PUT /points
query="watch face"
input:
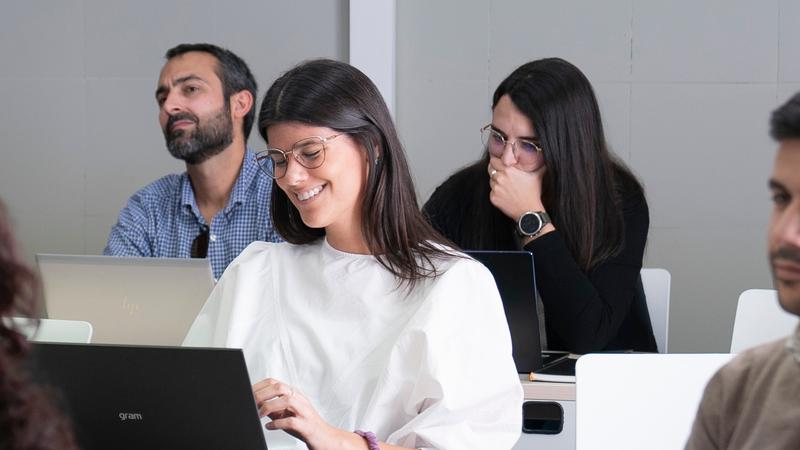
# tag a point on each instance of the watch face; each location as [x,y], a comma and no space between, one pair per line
[530,223]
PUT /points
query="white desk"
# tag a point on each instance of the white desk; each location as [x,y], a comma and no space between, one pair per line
[546,393]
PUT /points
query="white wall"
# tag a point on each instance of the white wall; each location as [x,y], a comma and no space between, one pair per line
[685,87]
[78,119]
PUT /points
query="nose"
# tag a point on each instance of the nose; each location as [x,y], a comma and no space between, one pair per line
[786,226]
[295,174]
[508,158]
[172,103]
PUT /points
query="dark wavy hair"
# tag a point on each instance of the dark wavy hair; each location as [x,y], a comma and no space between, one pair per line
[338,96]
[232,72]
[28,420]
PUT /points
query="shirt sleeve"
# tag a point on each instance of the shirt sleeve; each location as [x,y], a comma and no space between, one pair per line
[466,391]
[587,310]
[129,235]
[706,427]
[234,301]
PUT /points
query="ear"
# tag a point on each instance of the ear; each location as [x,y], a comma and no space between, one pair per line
[378,153]
[241,104]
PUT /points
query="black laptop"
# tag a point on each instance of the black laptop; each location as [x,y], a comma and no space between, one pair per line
[128,397]
[515,277]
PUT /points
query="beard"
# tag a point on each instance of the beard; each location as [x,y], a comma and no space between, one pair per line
[206,140]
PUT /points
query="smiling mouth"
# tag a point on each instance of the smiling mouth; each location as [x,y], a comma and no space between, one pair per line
[309,194]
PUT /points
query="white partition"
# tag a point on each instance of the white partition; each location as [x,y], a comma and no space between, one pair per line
[640,401]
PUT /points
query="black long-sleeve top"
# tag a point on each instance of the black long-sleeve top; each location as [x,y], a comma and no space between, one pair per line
[603,309]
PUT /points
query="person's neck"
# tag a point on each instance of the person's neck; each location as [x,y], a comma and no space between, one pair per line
[348,239]
[213,179]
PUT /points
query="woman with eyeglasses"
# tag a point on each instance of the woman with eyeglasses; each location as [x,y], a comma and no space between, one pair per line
[364,330]
[28,418]
[548,184]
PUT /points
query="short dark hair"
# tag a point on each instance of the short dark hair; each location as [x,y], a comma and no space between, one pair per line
[338,96]
[785,122]
[232,72]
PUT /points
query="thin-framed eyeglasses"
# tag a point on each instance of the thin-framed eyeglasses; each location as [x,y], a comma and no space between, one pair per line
[496,143]
[309,152]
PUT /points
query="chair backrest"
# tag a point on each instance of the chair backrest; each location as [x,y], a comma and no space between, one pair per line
[760,319]
[640,401]
[55,330]
[656,284]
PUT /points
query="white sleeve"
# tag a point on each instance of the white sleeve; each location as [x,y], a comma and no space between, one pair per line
[466,390]
[237,292]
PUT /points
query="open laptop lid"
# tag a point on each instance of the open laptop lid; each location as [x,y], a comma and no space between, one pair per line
[126,397]
[513,272]
[127,300]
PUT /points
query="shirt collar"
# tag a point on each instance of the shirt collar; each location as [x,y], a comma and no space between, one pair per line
[240,188]
[246,177]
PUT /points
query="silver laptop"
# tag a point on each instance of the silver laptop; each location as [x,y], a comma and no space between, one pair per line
[140,301]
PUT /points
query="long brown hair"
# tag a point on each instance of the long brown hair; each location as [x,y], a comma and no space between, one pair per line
[581,188]
[336,95]
[27,418]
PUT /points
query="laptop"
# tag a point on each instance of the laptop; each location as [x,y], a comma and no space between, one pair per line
[140,301]
[514,274]
[128,397]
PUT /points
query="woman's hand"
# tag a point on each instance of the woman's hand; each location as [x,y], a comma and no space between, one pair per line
[291,412]
[515,191]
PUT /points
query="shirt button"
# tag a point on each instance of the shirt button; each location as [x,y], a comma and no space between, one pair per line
[213,238]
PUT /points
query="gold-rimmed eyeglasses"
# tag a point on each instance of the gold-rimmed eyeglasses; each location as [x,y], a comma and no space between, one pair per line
[496,143]
[309,152]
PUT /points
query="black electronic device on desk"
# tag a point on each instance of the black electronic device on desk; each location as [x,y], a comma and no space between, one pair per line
[129,397]
[515,277]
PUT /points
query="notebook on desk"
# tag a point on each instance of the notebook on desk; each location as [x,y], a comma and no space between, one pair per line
[126,397]
[515,277]
[147,301]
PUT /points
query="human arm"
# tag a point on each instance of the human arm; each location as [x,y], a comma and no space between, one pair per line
[586,310]
[706,427]
[291,411]
[129,236]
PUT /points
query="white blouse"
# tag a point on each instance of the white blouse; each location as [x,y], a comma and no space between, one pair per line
[430,368]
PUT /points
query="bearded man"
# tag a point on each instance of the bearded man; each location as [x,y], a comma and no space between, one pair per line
[220,204]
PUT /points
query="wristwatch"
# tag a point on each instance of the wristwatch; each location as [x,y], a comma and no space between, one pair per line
[531,223]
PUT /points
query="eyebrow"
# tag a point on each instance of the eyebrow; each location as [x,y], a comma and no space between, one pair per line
[527,138]
[776,185]
[163,88]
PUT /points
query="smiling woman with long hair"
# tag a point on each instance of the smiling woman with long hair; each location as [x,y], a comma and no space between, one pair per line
[28,420]
[365,329]
[548,183]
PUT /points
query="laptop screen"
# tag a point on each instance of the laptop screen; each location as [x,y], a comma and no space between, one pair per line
[513,272]
[126,397]
[140,301]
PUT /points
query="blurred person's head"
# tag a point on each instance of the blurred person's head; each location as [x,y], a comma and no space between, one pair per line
[784,225]
[28,419]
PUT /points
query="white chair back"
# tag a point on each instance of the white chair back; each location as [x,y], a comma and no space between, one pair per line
[760,319]
[55,330]
[656,284]
[640,401]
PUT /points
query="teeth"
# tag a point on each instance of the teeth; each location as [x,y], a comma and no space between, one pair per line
[308,194]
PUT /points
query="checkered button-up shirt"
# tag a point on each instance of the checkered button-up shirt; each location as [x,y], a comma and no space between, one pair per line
[163,219]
